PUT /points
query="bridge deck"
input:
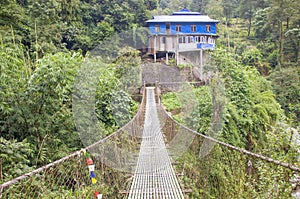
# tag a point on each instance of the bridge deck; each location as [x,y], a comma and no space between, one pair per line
[154,175]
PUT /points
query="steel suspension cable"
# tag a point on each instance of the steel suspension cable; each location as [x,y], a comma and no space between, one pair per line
[240,150]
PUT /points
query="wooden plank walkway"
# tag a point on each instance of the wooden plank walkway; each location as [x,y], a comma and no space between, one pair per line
[154,175]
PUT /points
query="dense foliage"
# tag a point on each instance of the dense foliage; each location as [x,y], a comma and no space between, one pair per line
[39,67]
[43,44]
[56,25]
[36,107]
[258,62]
[262,34]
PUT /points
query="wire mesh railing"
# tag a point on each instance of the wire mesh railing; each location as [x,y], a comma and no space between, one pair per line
[114,158]
[225,171]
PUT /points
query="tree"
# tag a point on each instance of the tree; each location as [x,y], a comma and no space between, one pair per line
[279,16]
[286,86]
[253,57]
[14,74]
[214,9]
[229,9]
[251,105]
[13,22]
[293,39]
[14,158]
[151,4]
[35,105]
[261,26]
[247,10]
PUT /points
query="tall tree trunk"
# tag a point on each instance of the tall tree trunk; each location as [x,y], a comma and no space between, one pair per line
[249,26]
[280,46]
[1,176]
[298,53]
[228,38]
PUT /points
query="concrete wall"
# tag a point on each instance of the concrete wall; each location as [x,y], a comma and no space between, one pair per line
[172,43]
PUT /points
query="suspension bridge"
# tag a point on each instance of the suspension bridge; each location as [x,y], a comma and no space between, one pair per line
[141,160]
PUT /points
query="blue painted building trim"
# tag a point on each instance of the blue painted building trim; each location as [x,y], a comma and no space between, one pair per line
[206,46]
[185,28]
[183,31]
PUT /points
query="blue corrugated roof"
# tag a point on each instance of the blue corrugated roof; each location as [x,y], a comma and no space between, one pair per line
[185,11]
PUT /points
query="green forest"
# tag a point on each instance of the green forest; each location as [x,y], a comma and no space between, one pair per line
[44,43]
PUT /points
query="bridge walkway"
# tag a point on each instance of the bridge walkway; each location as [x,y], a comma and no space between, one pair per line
[154,175]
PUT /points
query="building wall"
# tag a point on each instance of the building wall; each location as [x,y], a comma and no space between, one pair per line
[162,28]
[185,28]
[180,43]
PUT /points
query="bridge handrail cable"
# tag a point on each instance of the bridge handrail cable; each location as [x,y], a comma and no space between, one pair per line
[240,150]
[76,153]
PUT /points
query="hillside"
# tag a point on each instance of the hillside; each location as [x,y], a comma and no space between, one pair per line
[255,86]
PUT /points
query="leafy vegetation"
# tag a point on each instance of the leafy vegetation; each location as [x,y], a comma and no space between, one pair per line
[56,25]
[258,61]
[286,86]
[36,107]
[253,120]
[171,101]
[259,35]
[43,45]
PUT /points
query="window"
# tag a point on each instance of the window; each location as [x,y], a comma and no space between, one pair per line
[202,39]
[211,40]
[163,40]
[190,39]
[207,28]
[157,28]
[168,25]
[193,28]
[178,28]
[181,40]
[194,40]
